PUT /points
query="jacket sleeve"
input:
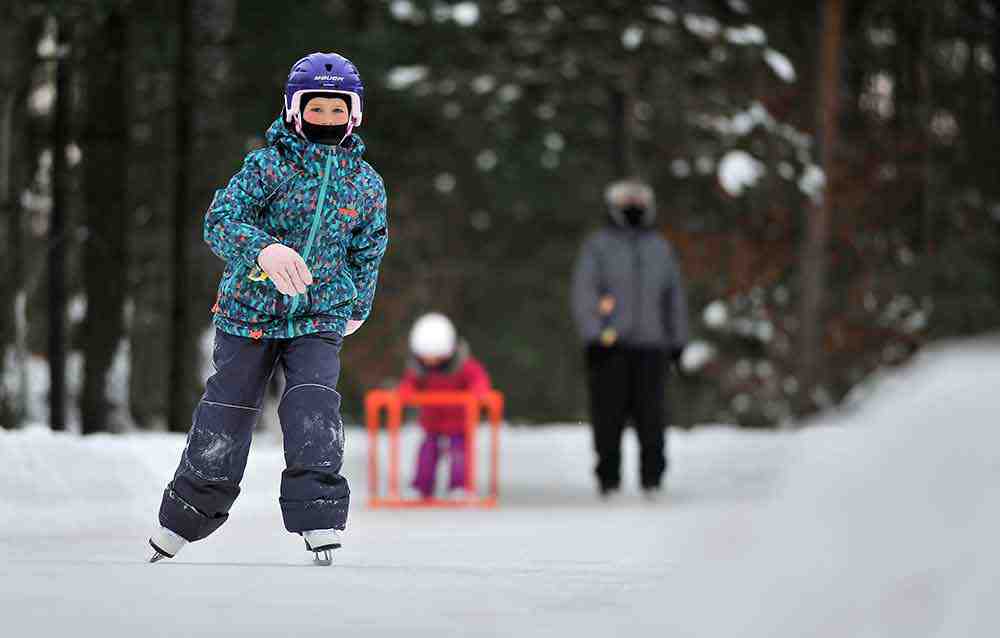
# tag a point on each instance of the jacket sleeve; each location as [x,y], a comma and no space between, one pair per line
[476,378]
[232,224]
[675,312]
[366,249]
[585,293]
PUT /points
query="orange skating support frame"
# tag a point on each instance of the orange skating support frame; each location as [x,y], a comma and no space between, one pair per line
[392,403]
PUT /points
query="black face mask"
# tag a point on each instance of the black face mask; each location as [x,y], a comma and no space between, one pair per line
[439,367]
[634,216]
[318,134]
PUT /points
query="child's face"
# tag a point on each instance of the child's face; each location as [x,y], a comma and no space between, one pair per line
[326,111]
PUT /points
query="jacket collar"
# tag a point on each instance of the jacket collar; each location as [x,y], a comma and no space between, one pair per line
[312,157]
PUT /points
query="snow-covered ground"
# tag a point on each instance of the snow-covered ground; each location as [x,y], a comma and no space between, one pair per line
[878,522]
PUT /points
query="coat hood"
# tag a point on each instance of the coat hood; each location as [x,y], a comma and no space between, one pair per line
[621,194]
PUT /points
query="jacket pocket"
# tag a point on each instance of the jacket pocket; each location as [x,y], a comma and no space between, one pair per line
[249,300]
[334,298]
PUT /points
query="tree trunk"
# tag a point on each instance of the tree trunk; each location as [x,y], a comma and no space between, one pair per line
[151,242]
[202,132]
[925,110]
[996,96]
[995,42]
[182,346]
[213,142]
[58,231]
[105,262]
[814,258]
[18,34]
[618,132]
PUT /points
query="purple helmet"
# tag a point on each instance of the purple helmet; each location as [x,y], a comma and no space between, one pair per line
[323,73]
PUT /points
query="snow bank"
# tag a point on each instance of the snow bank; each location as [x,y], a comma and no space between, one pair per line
[888,521]
[65,482]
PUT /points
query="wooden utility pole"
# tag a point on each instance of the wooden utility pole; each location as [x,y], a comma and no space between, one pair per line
[814,261]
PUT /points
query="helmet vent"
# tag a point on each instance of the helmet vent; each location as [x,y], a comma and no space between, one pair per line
[329,67]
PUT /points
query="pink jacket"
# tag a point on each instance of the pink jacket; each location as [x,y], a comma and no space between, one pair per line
[463,373]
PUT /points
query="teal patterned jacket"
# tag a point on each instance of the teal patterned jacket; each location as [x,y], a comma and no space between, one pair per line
[323,201]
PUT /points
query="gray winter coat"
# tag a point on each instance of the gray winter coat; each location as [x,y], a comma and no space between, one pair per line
[638,268]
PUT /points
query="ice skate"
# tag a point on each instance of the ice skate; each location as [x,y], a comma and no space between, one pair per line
[165,544]
[652,494]
[322,542]
[609,494]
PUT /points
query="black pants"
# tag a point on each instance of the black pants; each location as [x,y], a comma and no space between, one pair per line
[628,383]
[314,495]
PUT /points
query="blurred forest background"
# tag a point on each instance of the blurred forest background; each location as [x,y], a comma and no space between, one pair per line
[826,169]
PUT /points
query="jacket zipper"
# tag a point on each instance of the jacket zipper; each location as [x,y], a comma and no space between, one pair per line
[317,218]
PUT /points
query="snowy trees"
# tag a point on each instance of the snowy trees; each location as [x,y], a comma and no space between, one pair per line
[496,126]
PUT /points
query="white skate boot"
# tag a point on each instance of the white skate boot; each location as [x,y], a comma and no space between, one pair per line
[322,542]
[165,544]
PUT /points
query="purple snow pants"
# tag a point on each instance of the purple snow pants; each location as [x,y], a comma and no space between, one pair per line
[314,495]
[427,460]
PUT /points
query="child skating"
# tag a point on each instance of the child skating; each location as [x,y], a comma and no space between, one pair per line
[441,362]
[302,229]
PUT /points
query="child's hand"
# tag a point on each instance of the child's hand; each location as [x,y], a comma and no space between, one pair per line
[352,326]
[286,268]
[606,305]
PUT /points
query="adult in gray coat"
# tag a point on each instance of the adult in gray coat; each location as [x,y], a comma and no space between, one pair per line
[630,310]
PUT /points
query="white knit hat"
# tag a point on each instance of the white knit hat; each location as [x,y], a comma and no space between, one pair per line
[433,335]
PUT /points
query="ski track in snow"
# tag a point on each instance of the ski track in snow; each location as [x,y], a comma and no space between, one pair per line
[881,521]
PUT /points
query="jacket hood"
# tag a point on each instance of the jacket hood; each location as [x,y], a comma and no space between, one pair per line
[621,194]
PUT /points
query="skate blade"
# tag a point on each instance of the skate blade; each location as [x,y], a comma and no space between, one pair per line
[156,557]
[323,558]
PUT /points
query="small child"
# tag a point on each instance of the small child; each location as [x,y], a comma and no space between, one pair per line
[302,229]
[441,362]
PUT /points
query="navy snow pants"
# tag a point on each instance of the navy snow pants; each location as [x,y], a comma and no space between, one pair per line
[313,493]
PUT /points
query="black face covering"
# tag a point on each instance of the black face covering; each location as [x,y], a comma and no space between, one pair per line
[319,134]
[634,215]
[442,366]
